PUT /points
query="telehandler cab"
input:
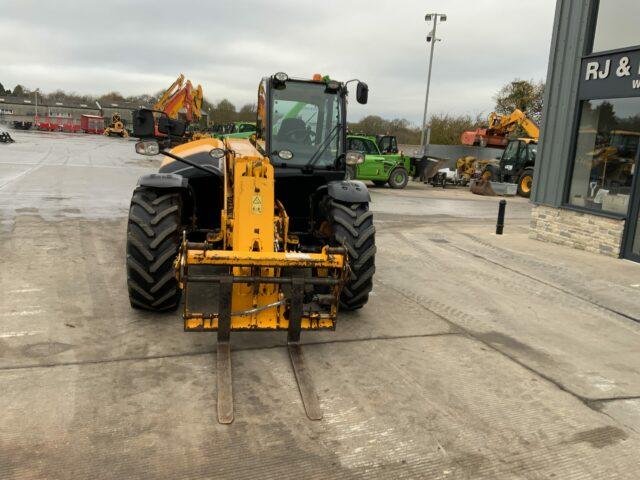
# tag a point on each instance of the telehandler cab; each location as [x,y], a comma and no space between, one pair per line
[269,222]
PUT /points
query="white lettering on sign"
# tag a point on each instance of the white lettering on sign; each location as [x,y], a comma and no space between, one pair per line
[594,72]
[623,67]
[607,66]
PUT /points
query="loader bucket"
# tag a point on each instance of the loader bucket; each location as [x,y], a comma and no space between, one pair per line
[481,186]
[492,189]
[427,167]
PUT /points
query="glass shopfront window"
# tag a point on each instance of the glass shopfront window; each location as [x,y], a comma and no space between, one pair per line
[616,25]
[606,154]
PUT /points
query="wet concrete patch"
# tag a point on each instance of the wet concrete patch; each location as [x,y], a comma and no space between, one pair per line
[46,349]
[625,410]
[54,199]
[500,341]
[600,437]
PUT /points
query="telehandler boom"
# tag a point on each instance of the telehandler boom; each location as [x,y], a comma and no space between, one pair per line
[496,134]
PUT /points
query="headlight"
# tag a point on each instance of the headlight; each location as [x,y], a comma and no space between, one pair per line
[281,77]
[217,153]
[354,158]
[147,147]
[285,154]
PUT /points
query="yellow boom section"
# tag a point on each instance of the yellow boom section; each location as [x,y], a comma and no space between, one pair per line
[261,278]
[504,124]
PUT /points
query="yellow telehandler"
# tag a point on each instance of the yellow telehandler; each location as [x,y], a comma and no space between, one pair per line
[269,222]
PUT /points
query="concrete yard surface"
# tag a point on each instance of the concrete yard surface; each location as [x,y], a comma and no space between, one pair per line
[478,356]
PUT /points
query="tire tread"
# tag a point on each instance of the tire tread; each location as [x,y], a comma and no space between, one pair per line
[153,233]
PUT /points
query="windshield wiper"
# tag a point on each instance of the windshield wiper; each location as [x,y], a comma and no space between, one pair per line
[321,148]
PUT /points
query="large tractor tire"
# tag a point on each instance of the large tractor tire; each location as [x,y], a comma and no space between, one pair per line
[398,178]
[352,225]
[153,239]
[524,183]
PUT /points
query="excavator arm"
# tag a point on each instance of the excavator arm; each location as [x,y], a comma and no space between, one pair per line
[500,126]
[504,124]
[181,99]
[169,92]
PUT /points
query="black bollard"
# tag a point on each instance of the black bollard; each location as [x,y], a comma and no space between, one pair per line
[500,224]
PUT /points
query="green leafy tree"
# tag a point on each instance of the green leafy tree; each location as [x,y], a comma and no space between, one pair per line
[111,97]
[224,112]
[526,95]
[19,91]
[248,112]
[446,129]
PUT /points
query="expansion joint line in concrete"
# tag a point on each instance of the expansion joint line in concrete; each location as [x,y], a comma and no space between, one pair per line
[211,352]
[530,277]
[549,284]
[589,402]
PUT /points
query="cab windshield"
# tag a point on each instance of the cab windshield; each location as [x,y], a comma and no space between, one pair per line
[306,122]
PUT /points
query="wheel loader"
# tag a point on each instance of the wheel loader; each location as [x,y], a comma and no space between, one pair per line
[268,225]
[116,127]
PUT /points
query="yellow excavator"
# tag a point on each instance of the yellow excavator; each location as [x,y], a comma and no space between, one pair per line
[116,127]
[181,100]
[514,169]
[267,226]
[499,129]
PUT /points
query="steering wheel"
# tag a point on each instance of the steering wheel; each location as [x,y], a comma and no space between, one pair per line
[298,135]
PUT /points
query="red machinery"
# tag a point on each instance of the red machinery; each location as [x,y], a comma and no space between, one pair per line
[58,124]
[500,126]
[92,124]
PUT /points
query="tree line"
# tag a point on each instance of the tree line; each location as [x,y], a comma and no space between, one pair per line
[221,112]
[526,95]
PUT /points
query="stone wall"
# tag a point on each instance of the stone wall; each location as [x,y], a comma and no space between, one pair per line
[576,229]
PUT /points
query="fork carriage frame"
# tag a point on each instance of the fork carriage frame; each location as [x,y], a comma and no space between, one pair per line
[257,269]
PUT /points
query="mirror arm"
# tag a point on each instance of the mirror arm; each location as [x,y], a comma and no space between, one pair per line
[188,162]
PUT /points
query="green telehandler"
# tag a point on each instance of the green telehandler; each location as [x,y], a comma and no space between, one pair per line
[383,162]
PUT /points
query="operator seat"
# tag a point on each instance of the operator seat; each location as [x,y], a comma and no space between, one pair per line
[290,125]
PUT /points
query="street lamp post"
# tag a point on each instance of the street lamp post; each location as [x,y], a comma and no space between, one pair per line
[431,38]
[36,95]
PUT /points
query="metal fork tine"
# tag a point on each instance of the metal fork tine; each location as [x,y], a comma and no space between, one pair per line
[225,390]
[305,383]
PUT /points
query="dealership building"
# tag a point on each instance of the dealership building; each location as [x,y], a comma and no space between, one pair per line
[586,188]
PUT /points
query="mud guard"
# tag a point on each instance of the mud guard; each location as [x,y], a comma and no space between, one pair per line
[163,180]
[349,191]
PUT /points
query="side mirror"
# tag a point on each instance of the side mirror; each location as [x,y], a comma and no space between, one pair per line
[362,93]
[173,128]
[143,123]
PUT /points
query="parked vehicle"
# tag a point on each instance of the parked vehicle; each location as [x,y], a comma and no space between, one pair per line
[386,165]
[236,130]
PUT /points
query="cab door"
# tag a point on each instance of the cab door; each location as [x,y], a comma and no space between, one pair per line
[373,166]
[388,144]
[373,161]
[510,159]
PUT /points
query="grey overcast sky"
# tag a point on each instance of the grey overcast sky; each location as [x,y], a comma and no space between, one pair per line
[134,47]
